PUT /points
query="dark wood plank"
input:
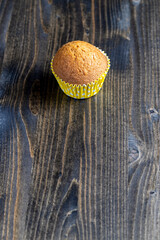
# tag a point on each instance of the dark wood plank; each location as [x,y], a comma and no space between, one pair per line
[65,172]
[144,176]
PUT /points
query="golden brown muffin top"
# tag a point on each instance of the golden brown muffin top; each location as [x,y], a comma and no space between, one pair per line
[79,62]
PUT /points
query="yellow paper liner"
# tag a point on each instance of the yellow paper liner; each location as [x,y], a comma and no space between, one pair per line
[82,91]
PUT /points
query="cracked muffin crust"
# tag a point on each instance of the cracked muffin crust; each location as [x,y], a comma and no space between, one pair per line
[79,62]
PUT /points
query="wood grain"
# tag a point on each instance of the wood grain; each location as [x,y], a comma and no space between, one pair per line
[143,192]
[79,169]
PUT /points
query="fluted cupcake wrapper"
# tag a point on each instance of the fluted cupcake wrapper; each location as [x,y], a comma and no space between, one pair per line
[85,90]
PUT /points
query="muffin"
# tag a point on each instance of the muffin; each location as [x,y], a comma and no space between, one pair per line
[80,69]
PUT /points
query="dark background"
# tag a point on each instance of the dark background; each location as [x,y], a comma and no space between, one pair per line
[79,169]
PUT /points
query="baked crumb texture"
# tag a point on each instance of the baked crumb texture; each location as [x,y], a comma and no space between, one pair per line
[79,62]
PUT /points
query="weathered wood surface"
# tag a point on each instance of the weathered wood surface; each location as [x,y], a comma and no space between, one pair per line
[88,169]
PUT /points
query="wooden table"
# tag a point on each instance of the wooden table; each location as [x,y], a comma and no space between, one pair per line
[79,169]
